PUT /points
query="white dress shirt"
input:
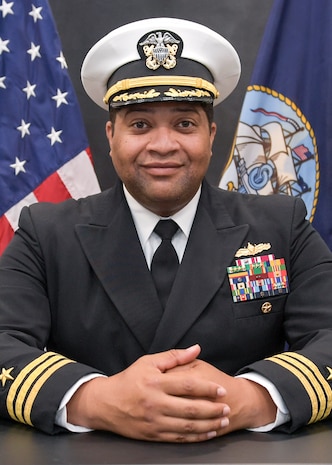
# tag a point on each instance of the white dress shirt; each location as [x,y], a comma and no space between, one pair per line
[145,222]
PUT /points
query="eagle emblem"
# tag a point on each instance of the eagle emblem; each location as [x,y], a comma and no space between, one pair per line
[160,50]
[252,249]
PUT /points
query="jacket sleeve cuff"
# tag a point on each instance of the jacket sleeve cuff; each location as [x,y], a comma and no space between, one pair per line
[282,415]
[61,415]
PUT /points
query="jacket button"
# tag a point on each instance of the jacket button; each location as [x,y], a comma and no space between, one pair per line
[266,307]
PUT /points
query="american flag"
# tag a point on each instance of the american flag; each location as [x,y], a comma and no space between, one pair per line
[44,152]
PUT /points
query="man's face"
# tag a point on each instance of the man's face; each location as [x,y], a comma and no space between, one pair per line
[161,152]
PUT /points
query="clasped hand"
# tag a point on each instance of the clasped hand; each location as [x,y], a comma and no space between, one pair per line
[170,396]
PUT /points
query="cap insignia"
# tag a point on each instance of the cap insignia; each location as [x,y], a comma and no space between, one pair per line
[160,50]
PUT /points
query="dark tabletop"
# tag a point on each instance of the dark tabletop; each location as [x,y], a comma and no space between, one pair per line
[20,445]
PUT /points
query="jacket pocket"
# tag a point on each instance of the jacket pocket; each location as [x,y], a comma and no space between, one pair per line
[259,307]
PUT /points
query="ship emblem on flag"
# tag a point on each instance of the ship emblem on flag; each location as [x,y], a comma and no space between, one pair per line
[283,141]
[275,150]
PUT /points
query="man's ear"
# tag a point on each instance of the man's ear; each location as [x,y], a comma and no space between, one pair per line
[213,132]
[109,132]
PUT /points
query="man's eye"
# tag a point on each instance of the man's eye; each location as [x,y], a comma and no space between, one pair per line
[186,124]
[140,124]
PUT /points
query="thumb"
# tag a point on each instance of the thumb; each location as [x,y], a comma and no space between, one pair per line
[171,358]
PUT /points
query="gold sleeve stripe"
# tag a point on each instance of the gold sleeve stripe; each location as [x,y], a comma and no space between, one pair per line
[326,396]
[308,374]
[19,379]
[28,383]
[38,385]
[307,386]
[23,384]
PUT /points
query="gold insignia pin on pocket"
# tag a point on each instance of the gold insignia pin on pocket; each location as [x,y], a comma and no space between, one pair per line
[252,249]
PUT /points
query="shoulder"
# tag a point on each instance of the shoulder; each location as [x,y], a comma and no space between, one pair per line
[71,211]
[54,226]
[258,205]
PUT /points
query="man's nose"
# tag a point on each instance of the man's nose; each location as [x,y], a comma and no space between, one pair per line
[163,140]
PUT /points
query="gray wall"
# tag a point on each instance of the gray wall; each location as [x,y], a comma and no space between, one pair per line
[82,22]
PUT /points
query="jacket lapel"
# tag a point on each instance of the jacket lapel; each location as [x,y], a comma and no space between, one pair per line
[111,244]
[112,247]
[213,240]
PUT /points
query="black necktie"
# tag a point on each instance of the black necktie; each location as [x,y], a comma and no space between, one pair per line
[165,261]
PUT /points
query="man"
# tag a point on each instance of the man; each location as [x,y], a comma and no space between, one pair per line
[89,336]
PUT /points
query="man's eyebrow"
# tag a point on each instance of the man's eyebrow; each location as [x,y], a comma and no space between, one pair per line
[186,109]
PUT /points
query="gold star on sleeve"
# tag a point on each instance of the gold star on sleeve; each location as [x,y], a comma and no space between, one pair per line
[329,378]
[6,376]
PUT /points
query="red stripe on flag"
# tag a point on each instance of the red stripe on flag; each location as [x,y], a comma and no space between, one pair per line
[52,190]
[88,151]
[6,233]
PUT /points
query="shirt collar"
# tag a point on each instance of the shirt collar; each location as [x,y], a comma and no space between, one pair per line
[145,220]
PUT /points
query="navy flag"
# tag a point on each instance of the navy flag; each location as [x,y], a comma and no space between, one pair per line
[44,152]
[283,143]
